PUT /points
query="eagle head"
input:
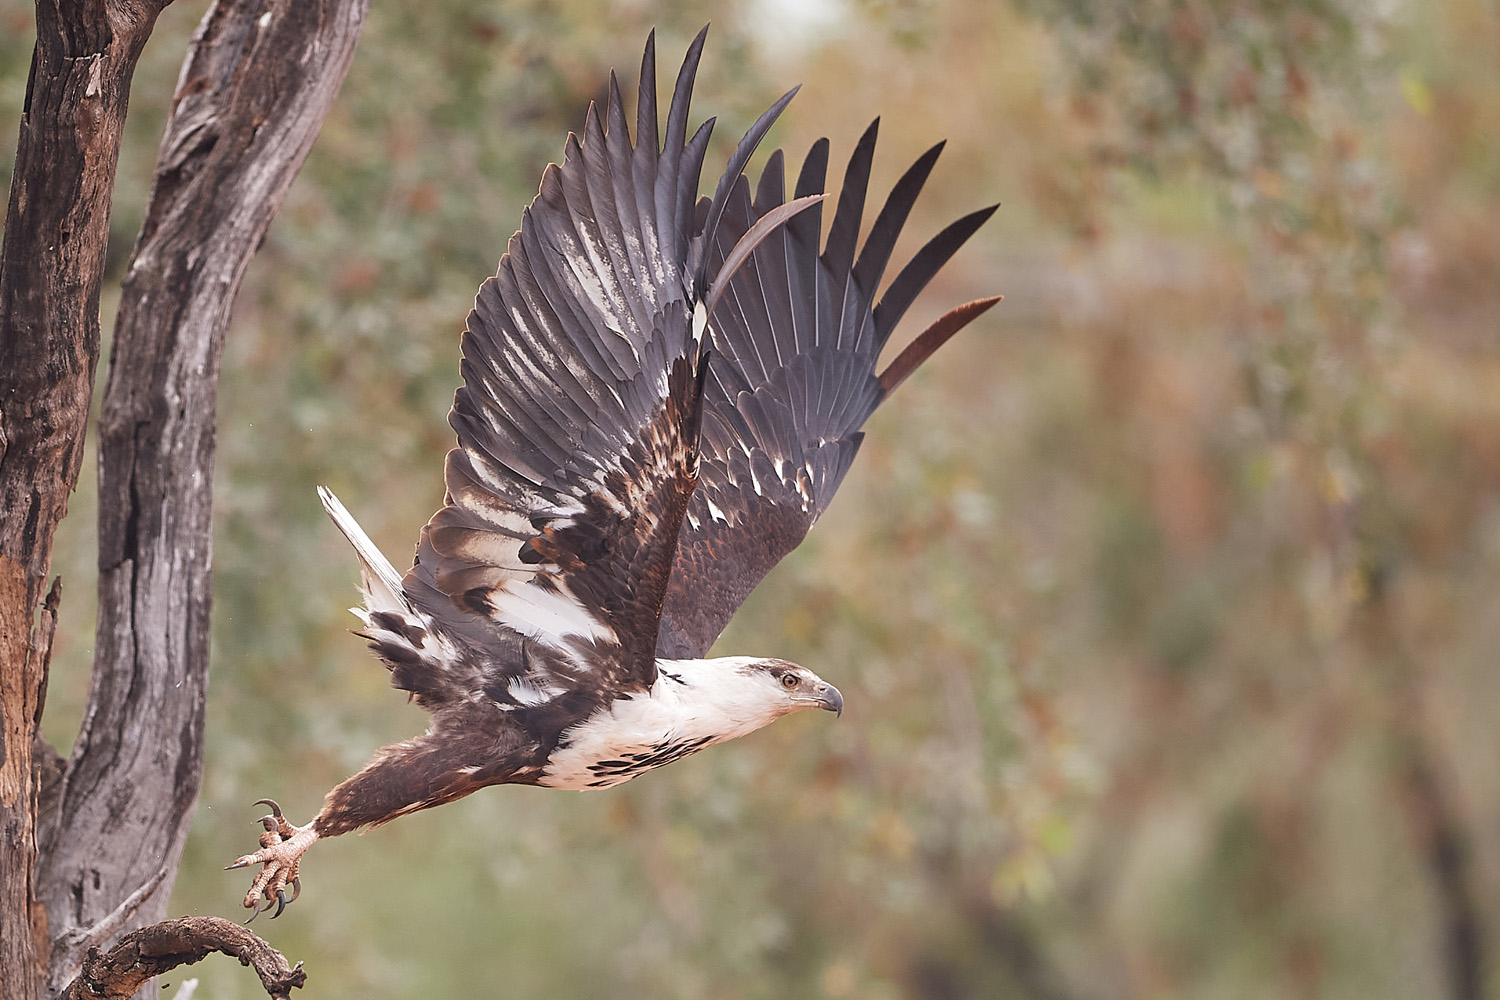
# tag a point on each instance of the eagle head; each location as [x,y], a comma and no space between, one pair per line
[795,687]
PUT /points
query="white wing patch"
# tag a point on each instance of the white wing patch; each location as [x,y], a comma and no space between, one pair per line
[700,322]
[714,511]
[545,616]
[532,690]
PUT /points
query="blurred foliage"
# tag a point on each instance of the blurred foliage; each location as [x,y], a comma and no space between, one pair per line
[1164,601]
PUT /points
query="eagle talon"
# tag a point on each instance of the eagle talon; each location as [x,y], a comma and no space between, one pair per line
[280,858]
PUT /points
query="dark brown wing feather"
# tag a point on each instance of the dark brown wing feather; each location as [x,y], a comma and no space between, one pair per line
[796,339]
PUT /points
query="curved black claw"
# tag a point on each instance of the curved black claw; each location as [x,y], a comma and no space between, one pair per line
[259,910]
[282,902]
[275,822]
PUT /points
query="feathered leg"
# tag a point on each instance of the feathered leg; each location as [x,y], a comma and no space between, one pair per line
[402,778]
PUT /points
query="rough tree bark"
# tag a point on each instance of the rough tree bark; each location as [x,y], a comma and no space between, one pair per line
[259,78]
[56,231]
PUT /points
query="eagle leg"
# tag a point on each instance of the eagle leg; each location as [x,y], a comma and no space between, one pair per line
[281,848]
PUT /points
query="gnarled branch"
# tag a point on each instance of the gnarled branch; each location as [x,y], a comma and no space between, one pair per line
[164,946]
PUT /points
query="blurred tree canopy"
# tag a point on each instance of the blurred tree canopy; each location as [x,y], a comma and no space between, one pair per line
[1165,601]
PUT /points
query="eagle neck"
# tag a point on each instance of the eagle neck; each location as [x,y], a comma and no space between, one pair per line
[692,704]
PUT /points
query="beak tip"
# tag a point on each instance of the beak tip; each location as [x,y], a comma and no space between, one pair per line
[833,701]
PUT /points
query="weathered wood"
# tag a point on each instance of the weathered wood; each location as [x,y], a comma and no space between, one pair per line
[153,950]
[259,78]
[56,231]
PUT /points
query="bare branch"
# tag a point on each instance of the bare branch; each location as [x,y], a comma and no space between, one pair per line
[164,946]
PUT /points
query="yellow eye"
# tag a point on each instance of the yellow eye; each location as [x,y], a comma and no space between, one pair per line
[789,681]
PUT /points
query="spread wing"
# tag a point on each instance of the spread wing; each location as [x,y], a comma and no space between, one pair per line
[796,337]
[544,572]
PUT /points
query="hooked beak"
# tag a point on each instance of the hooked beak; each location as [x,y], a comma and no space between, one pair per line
[830,700]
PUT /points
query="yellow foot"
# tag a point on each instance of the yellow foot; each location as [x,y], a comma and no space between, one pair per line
[281,848]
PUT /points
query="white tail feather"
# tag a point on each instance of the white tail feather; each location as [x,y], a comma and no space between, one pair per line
[378,578]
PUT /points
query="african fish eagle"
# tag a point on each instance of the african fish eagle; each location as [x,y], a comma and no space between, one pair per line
[661,394]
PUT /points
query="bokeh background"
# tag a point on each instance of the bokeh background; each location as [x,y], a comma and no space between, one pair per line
[1166,599]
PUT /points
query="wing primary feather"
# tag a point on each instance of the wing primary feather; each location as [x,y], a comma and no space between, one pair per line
[814,173]
[825,331]
[763,227]
[744,331]
[851,308]
[668,198]
[646,138]
[644,158]
[682,92]
[843,234]
[882,239]
[914,277]
[803,237]
[590,218]
[623,188]
[770,190]
[767,339]
[732,172]
[772,262]
[611,258]
[687,192]
[576,325]
[931,339]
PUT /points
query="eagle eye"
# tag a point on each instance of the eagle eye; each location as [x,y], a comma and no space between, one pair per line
[789,681]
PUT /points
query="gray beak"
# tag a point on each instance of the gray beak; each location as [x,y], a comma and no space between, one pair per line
[830,699]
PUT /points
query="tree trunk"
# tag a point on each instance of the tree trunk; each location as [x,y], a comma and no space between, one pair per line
[56,231]
[259,78]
